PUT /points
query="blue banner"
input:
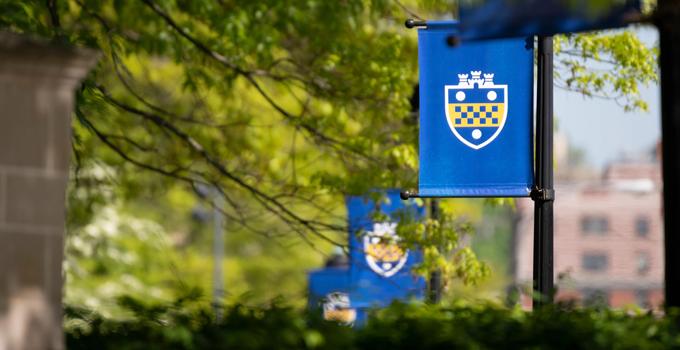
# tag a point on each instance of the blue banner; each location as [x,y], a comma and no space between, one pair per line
[475,115]
[488,19]
[380,271]
[329,292]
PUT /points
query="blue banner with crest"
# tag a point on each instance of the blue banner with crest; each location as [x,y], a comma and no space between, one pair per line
[380,271]
[486,19]
[476,108]
[329,293]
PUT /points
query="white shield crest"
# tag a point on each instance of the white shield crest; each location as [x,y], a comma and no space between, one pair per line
[336,307]
[383,254]
[476,108]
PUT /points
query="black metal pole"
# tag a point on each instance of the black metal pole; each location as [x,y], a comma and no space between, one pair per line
[435,292]
[543,193]
[218,252]
[668,22]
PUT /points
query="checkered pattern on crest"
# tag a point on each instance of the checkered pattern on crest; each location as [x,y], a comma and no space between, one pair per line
[387,252]
[465,115]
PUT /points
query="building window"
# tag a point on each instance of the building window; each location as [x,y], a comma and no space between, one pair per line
[594,262]
[642,298]
[643,263]
[598,225]
[642,227]
[595,298]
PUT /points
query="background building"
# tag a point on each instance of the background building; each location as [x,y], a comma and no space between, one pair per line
[608,235]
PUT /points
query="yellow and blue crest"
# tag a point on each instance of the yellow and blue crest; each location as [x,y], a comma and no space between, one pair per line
[336,307]
[383,254]
[476,108]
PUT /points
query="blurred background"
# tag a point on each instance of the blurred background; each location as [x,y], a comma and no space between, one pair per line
[229,133]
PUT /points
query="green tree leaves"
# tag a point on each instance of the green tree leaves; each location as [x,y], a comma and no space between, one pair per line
[610,65]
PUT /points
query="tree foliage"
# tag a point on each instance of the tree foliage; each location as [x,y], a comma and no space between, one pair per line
[610,65]
[400,326]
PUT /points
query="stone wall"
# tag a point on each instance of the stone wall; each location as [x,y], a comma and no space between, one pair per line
[37,82]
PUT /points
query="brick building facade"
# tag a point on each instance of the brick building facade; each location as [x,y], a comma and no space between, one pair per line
[608,239]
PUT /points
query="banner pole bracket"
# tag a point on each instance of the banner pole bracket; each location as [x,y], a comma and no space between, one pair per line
[543,194]
[408,194]
[414,23]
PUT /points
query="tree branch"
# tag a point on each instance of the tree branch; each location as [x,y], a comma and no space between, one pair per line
[250,77]
[266,200]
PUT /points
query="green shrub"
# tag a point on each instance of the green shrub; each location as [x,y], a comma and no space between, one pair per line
[400,326]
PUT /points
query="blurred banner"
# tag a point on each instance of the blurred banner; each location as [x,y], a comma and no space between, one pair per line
[380,271]
[486,19]
[475,115]
[329,292]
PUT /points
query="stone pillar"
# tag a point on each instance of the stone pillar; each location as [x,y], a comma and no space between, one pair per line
[37,82]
